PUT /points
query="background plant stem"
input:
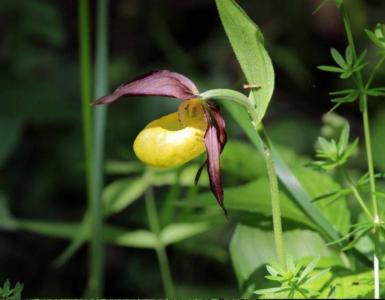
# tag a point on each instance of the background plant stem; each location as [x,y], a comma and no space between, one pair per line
[85,82]
[96,277]
[86,91]
[368,145]
[153,220]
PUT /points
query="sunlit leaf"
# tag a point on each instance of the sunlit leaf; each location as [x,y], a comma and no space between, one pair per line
[246,40]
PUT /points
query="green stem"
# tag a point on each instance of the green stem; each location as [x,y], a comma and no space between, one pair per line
[276,210]
[154,224]
[356,193]
[94,286]
[85,79]
[365,117]
[361,201]
[370,157]
[96,279]
[374,71]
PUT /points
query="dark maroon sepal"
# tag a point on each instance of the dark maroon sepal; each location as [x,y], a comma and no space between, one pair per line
[220,123]
[214,142]
[158,83]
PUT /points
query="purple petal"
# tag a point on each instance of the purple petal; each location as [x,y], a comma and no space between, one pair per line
[220,123]
[213,148]
[158,83]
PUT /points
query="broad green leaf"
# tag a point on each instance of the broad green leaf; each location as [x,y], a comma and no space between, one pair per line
[180,231]
[10,131]
[246,40]
[121,193]
[317,184]
[286,176]
[241,159]
[253,197]
[251,248]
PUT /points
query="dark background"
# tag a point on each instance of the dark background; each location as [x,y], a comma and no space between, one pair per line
[41,161]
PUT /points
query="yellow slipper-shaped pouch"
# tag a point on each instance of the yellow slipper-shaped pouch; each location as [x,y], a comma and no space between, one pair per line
[174,139]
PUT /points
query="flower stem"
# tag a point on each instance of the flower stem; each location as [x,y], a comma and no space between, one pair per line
[276,210]
[164,265]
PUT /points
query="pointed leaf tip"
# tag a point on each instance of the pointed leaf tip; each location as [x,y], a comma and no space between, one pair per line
[157,83]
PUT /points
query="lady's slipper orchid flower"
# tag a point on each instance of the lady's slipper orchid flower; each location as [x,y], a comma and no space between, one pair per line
[178,137]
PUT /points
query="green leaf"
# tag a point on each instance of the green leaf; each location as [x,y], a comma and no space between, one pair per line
[253,197]
[338,58]
[330,69]
[121,193]
[177,232]
[353,286]
[251,248]
[286,176]
[241,159]
[316,184]
[246,40]
[344,137]
[309,268]
[349,55]
[140,238]
[374,38]
[185,178]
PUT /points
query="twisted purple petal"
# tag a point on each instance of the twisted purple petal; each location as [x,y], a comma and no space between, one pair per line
[157,83]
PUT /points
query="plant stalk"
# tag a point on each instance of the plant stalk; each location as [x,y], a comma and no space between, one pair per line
[86,88]
[368,146]
[96,278]
[94,289]
[164,265]
[276,210]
